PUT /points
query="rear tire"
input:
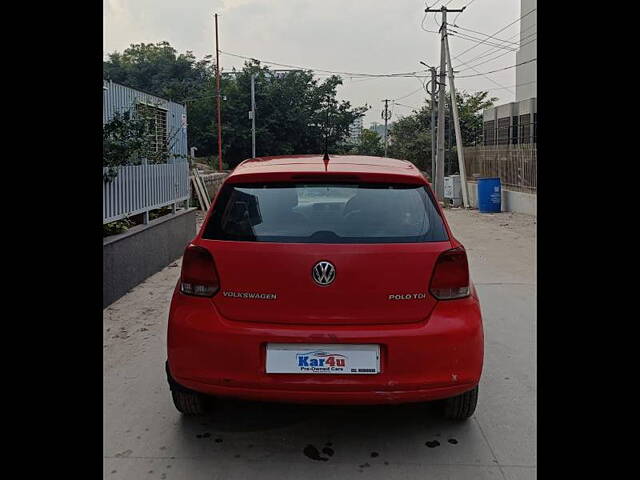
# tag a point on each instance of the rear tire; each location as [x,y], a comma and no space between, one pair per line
[462,406]
[189,403]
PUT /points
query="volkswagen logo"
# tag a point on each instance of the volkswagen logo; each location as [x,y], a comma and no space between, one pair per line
[323,273]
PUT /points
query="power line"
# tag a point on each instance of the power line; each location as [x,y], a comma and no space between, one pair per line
[492,36]
[471,38]
[488,78]
[374,76]
[481,33]
[491,51]
[515,35]
[434,18]
[351,74]
[444,5]
[491,59]
[422,24]
[409,94]
[454,20]
[482,73]
[486,41]
[402,105]
[439,25]
[516,85]
[417,107]
[500,69]
[366,79]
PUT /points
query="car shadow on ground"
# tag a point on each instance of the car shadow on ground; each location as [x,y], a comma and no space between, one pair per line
[289,430]
[230,415]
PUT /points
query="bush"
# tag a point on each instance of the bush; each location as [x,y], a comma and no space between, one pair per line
[119,226]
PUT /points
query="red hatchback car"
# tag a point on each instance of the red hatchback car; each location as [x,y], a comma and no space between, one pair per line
[325,282]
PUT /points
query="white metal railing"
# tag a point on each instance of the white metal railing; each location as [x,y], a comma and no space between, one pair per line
[140,188]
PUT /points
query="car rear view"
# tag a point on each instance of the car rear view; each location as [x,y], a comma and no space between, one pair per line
[327,282]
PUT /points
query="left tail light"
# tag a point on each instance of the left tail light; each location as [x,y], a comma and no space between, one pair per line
[199,276]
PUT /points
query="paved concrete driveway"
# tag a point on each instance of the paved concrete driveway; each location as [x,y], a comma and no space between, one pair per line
[146,438]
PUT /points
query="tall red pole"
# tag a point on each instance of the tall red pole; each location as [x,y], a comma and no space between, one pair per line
[218,98]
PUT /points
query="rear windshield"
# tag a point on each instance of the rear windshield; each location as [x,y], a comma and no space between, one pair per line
[325,213]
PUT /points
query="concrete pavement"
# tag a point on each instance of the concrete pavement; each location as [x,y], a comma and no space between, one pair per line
[146,438]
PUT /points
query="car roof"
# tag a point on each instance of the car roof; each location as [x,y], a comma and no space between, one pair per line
[362,167]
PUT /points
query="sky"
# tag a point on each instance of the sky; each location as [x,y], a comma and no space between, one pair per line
[361,36]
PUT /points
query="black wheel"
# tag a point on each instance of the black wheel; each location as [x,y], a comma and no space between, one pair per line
[186,401]
[189,403]
[462,406]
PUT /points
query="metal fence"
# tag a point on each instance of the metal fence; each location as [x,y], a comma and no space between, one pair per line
[515,165]
[140,188]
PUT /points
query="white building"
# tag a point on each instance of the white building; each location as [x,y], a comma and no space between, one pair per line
[526,75]
[516,122]
[355,131]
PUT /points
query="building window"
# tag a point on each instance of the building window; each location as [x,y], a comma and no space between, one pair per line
[156,123]
[525,128]
[504,125]
[490,132]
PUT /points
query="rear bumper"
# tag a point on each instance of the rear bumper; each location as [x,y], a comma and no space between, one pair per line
[438,358]
[368,397]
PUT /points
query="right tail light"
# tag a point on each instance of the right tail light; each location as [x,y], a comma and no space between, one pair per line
[450,277]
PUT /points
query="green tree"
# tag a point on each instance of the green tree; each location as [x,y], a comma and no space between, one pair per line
[370,144]
[124,140]
[411,135]
[129,138]
[470,107]
[294,111]
[158,69]
[410,138]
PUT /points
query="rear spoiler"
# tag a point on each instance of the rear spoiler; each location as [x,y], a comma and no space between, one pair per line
[364,177]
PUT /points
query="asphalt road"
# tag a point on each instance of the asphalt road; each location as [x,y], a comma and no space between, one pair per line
[146,438]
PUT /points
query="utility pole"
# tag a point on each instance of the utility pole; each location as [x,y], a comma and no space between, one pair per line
[252,115]
[456,122]
[439,177]
[326,133]
[433,88]
[386,115]
[218,98]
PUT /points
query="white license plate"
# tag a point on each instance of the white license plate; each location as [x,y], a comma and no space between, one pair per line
[323,359]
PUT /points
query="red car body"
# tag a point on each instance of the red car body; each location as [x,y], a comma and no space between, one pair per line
[429,349]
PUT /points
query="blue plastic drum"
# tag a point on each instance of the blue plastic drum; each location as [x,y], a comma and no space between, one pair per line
[489,195]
